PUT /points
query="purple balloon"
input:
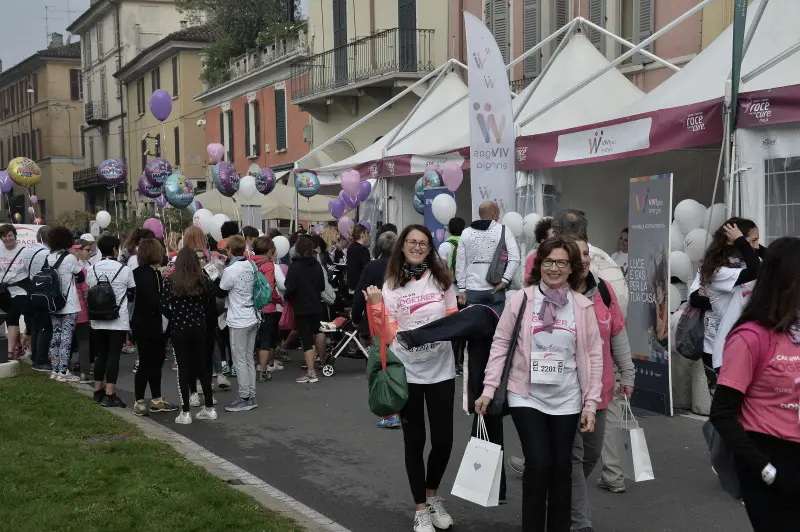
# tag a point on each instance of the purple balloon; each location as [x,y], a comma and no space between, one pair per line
[161,201]
[161,104]
[336,208]
[265,181]
[112,172]
[349,201]
[6,184]
[364,190]
[157,171]
[227,179]
[148,189]
[367,225]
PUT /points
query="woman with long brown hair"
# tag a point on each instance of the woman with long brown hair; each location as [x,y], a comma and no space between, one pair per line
[185,301]
[418,290]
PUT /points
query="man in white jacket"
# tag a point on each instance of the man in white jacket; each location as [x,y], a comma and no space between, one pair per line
[474,256]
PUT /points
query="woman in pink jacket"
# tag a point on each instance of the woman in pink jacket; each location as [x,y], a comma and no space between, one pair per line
[555,381]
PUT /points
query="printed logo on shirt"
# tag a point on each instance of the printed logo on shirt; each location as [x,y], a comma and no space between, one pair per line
[411,304]
[562,325]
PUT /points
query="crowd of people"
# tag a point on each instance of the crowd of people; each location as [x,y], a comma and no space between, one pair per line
[560,332]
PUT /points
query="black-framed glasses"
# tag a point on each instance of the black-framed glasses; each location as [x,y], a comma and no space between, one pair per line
[558,263]
[415,244]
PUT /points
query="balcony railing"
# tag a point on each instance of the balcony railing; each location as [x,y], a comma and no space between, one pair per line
[263,56]
[85,179]
[518,85]
[390,51]
[94,111]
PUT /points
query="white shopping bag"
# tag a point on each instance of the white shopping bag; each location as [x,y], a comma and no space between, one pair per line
[478,478]
[633,453]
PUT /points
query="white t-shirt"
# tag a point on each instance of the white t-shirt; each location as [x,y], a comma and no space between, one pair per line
[108,268]
[741,294]
[66,272]
[37,254]
[16,272]
[720,292]
[96,258]
[237,279]
[411,306]
[445,250]
[563,398]
[133,262]
[622,261]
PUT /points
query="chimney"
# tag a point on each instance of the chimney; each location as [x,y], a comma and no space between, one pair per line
[1,65]
[184,24]
[56,40]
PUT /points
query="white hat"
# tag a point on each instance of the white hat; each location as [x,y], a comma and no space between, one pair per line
[87,237]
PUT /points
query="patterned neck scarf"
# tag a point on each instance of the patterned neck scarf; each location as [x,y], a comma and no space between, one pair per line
[794,332]
[554,298]
[415,271]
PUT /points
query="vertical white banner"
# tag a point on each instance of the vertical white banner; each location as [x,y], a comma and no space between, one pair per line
[491,122]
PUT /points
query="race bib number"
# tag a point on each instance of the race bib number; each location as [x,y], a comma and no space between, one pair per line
[546,368]
[212,271]
[423,353]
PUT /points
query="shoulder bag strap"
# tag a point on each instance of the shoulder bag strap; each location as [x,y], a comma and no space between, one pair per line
[30,264]
[10,264]
[605,295]
[60,260]
[512,346]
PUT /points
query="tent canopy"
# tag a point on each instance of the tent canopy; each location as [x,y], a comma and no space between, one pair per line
[277,204]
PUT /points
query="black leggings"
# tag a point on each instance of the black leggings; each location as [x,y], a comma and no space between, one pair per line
[41,336]
[547,482]
[152,353]
[224,345]
[307,328]
[192,364]
[109,346]
[772,508]
[439,398]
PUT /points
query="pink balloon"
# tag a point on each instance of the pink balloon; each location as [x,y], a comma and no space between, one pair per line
[345,223]
[452,175]
[34,199]
[216,151]
[155,226]
[350,182]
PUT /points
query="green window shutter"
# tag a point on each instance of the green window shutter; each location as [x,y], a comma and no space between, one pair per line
[531,37]
[247,130]
[230,136]
[280,119]
[222,129]
[257,126]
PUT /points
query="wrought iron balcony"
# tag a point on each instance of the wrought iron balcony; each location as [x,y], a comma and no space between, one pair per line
[264,56]
[365,61]
[95,111]
[85,179]
[518,85]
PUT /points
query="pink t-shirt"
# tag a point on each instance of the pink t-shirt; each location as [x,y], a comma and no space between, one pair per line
[770,382]
[611,323]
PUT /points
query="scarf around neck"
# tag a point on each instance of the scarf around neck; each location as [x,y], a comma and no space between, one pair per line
[554,298]
[415,271]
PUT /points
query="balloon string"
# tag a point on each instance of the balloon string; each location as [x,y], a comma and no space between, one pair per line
[116,208]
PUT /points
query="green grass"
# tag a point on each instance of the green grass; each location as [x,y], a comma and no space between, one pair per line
[67,464]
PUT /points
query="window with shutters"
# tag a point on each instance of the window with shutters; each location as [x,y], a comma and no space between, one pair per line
[496,15]
[407,26]
[35,84]
[35,144]
[175,76]
[531,32]
[340,40]
[597,14]
[2,155]
[247,140]
[140,96]
[155,79]
[75,85]
[99,32]
[176,142]
[222,131]
[643,26]
[229,144]
[255,120]
[280,119]
[559,18]
[103,86]
[87,53]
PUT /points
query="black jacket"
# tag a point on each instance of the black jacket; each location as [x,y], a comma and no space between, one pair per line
[146,319]
[304,286]
[373,275]
[357,259]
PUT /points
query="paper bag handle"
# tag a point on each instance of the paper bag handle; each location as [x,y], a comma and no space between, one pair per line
[627,415]
[482,432]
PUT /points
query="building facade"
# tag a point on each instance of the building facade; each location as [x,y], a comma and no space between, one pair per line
[112,34]
[252,114]
[174,64]
[41,110]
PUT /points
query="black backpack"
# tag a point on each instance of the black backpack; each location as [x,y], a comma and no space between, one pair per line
[101,301]
[46,295]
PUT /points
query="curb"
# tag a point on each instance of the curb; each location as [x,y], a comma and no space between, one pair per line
[263,493]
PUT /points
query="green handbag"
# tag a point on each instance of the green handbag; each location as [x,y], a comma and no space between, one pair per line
[386,376]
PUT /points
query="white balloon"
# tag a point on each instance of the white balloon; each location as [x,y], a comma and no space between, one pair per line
[695,244]
[680,266]
[281,246]
[103,219]
[514,222]
[714,218]
[529,224]
[674,298]
[216,225]
[443,208]
[203,218]
[247,187]
[676,237]
[689,215]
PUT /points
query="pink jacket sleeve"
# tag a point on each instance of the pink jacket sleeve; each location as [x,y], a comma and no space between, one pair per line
[594,357]
[529,265]
[500,343]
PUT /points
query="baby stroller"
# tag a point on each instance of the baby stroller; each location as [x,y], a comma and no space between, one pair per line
[342,336]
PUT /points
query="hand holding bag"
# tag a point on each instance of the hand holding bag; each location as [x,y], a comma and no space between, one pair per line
[478,478]
[633,453]
[386,376]
[499,406]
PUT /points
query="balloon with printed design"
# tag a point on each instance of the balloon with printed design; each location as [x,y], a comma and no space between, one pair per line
[227,179]
[148,189]
[419,189]
[161,201]
[307,184]
[194,207]
[112,172]
[431,179]
[157,171]
[6,183]
[419,205]
[179,191]
[265,181]
[24,172]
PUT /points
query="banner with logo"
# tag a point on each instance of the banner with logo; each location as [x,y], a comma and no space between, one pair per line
[649,215]
[26,234]
[437,229]
[491,122]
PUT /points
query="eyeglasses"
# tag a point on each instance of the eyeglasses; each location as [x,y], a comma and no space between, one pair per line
[414,244]
[560,263]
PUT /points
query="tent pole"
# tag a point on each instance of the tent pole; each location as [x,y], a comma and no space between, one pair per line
[420,126]
[393,134]
[786,54]
[618,61]
[753,25]
[540,45]
[629,44]
[528,91]
[357,123]
[728,185]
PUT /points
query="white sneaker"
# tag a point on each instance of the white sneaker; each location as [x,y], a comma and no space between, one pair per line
[422,521]
[67,377]
[53,375]
[223,383]
[194,400]
[184,418]
[207,413]
[439,516]
[201,403]
[275,366]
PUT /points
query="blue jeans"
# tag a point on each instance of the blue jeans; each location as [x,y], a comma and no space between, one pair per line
[496,301]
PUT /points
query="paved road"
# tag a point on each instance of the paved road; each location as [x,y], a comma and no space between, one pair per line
[318,443]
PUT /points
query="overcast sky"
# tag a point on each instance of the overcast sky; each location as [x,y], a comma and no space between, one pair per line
[23,27]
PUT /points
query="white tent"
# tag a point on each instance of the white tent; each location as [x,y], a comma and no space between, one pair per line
[277,204]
